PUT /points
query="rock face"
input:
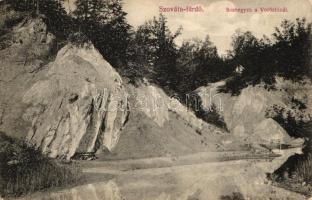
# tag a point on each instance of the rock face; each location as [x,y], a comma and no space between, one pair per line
[245,114]
[161,126]
[22,64]
[79,105]
[75,103]
[156,104]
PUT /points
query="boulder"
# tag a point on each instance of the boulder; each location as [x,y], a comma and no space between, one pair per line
[270,131]
[78,106]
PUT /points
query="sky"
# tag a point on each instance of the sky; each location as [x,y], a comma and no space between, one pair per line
[214,20]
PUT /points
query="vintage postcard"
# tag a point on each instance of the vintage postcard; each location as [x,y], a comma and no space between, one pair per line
[155,99]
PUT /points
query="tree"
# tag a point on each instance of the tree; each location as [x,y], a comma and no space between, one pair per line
[199,64]
[186,65]
[244,44]
[208,60]
[255,56]
[104,23]
[155,49]
[287,55]
[51,11]
[166,53]
[292,42]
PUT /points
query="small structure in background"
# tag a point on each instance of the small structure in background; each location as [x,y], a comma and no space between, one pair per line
[239,69]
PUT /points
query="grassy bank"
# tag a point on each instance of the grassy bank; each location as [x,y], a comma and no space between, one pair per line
[296,173]
[24,169]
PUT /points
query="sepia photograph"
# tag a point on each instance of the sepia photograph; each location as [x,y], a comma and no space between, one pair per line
[155,99]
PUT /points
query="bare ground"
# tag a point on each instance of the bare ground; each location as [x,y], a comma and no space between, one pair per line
[200,176]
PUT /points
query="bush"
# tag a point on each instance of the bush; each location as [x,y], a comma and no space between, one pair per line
[303,169]
[24,169]
[213,117]
[209,115]
[52,12]
[78,39]
[297,167]
[295,123]
[233,86]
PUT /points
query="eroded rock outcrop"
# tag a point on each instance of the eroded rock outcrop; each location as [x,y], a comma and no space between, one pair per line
[79,105]
[73,103]
[27,48]
[157,105]
[246,114]
[159,125]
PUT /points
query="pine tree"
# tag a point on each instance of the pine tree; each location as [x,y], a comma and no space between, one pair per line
[155,48]
[293,44]
[104,23]
[51,11]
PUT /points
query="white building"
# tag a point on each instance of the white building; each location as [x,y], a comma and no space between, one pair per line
[239,69]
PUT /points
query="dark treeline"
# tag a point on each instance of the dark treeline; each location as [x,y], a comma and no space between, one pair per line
[150,51]
[287,54]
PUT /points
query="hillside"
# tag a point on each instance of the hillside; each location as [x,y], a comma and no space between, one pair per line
[257,113]
[77,103]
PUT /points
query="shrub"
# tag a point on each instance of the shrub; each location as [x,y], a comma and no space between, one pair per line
[297,167]
[295,123]
[233,86]
[78,39]
[303,169]
[209,115]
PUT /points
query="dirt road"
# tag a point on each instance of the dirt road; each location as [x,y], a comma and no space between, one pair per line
[202,181]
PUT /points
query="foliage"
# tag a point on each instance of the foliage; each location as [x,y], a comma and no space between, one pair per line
[295,123]
[303,169]
[151,51]
[297,167]
[52,12]
[104,23]
[78,39]
[292,47]
[209,113]
[155,51]
[286,55]
[211,116]
[198,64]
[23,169]
[233,85]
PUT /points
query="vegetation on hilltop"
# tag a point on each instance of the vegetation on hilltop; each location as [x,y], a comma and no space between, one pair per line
[150,51]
